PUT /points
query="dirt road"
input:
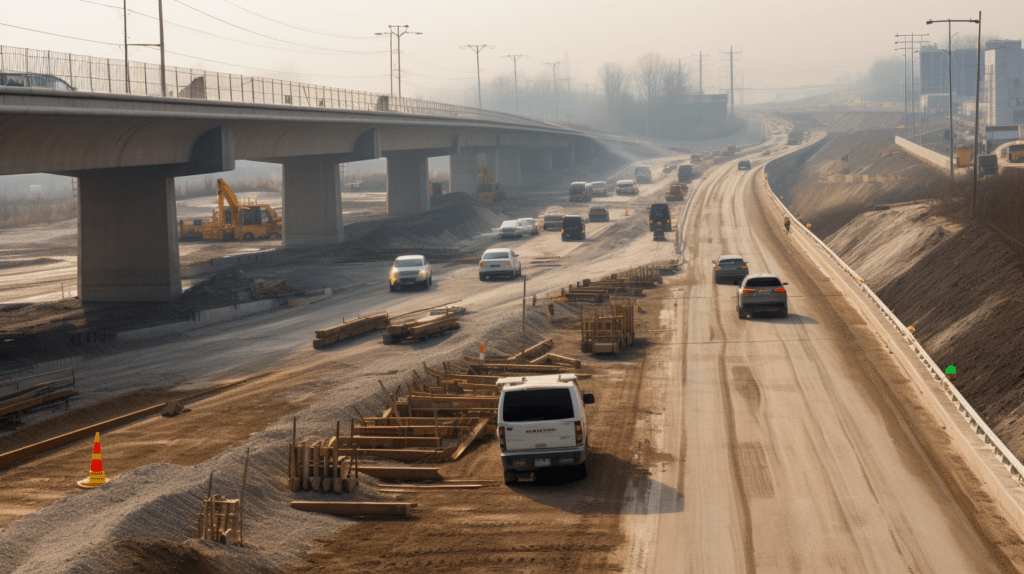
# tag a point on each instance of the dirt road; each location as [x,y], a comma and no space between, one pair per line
[791,444]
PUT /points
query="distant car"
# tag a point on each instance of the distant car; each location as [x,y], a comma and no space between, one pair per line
[598,213]
[598,189]
[730,269]
[573,228]
[44,81]
[410,271]
[500,262]
[668,169]
[526,228]
[529,225]
[743,164]
[661,217]
[762,293]
[625,187]
[510,230]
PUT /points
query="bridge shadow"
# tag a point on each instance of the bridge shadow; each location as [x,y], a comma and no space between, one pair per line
[604,491]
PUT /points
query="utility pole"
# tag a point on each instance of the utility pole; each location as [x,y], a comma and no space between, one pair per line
[905,119]
[700,73]
[977,112]
[732,92]
[391,58]
[913,41]
[949,53]
[396,31]
[477,48]
[127,76]
[515,73]
[570,107]
[554,84]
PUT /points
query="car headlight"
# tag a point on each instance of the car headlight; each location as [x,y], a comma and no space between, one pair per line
[423,272]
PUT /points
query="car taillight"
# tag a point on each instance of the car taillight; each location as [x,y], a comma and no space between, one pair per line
[508,263]
[780,290]
[668,221]
[748,290]
[744,267]
[481,264]
[579,433]
[501,437]
[718,268]
[652,221]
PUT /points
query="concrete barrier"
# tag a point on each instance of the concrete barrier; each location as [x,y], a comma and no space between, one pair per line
[201,319]
[924,154]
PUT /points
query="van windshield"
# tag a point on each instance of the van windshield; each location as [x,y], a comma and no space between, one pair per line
[537,405]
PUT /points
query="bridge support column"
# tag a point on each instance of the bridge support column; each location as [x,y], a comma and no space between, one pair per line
[408,180]
[312,201]
[127,236]
[508,167]
[464,173]
[547,159]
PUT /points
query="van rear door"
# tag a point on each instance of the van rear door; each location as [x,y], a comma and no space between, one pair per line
[537,419]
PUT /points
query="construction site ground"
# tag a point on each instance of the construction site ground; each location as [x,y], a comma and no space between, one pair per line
[718,444]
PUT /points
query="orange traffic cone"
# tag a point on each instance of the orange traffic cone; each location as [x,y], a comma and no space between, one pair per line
[627,210]
[96,476]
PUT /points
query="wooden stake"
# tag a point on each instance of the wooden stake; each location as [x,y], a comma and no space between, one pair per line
[241,496]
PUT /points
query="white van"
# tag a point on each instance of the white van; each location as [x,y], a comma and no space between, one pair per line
[541,424]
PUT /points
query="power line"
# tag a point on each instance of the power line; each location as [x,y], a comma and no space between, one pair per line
[61,35]
[295,27]
[202,59]
[220,36]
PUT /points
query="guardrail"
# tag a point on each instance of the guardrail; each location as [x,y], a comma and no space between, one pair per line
[59,70]
[1006,458]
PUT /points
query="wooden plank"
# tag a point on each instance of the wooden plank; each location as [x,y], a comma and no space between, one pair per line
[19,405]
[431,431]
[534,351]
[391,441]
[542,360]
[472,436]
[418,421]
[522,368]
[403,472]
[350,325]
[562,360]
[356,508]
[433,486]
[408,455]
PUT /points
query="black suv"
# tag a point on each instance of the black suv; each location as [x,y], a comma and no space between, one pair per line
[660,214]
[744,164]
[573,228]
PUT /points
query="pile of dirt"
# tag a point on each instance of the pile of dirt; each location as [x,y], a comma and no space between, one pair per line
[455,216]
[848,174]
[955,286]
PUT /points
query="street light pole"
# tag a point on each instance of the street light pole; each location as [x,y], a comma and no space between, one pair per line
[913,98]
[949,53]
[163,66]
[977,118]
[554,84]
[478,48]
[515,74]
[391,58]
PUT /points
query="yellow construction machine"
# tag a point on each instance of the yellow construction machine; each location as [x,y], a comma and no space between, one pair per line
[487,189]
[248,220]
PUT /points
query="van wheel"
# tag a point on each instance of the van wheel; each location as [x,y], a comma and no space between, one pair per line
[742,314]
[510,478]
[248,237]
[584,470]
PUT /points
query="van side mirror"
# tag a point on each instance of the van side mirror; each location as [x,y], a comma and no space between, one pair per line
[588,398]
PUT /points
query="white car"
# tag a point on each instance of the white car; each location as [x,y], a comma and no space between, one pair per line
[510,229]
[598,188]
[410,271]
[500,262]
[542,424]
[528,226]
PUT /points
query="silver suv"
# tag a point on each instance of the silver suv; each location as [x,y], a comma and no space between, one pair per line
[762,293]
[410,271]
[500,262]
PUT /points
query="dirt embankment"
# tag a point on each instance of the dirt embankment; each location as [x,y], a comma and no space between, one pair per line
[830,184]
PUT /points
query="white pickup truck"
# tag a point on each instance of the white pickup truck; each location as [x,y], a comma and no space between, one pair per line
[542,423]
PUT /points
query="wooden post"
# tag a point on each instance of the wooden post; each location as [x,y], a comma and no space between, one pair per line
[241,495]
[305,465]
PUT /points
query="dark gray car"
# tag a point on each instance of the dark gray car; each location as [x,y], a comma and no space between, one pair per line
[762,293]
[730,269]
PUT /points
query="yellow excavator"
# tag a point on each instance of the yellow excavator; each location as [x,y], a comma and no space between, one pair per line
[487,189]
[245,221]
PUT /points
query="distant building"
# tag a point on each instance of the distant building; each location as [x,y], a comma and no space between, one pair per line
[935,69]
[1002,97]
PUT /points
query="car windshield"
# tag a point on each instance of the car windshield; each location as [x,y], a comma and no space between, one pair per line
[409,262]
[496,255]
[763,282]
[526,221]
[537,405]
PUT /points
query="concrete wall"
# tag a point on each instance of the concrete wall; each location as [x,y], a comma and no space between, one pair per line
[312,202]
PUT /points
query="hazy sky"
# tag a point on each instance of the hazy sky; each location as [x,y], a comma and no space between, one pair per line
[783,43]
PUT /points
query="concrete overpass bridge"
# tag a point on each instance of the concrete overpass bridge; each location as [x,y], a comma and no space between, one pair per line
[126,151]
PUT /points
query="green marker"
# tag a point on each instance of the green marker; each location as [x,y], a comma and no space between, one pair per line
[951,370]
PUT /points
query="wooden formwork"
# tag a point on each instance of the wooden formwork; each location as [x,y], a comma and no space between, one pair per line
[327,337]
[220,520]
[323,466]
[606,328]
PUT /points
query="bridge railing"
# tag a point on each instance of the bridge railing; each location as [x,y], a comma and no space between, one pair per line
[110,76]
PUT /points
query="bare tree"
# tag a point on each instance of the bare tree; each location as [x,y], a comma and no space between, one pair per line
[616,82]
[650,72]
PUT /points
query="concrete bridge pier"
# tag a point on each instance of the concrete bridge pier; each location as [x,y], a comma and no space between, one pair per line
[464,173]
[312,201]
[127,235]
[408,180]
[507,170]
